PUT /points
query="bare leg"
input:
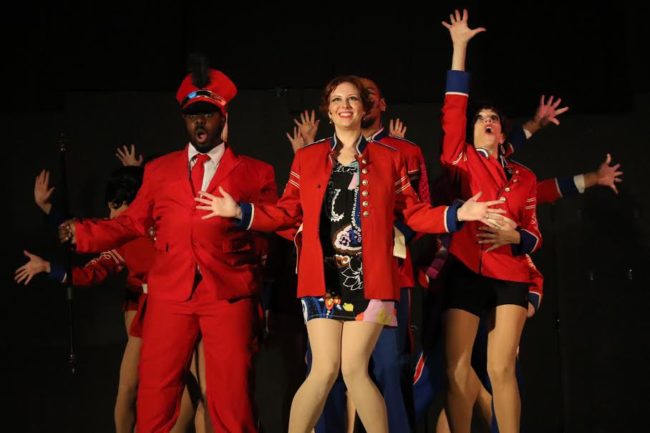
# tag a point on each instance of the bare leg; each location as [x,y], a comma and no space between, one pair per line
[192,410]
[185,413]
[460,331]
[484,402]
[358,342]
[124,413]
[351,414]
[442,426]
[308,403]
[503,341]
[202,421]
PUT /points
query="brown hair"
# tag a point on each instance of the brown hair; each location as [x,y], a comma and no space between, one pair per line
[333,84]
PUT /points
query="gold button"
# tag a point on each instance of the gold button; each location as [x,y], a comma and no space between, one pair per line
[507,189]
[364,182]
[364,171]
[515,180]
[365,213]
[364,193]
[363,161]
[502,199]
[364,204]
[516,171]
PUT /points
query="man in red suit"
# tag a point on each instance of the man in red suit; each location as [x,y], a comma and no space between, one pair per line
[206,273]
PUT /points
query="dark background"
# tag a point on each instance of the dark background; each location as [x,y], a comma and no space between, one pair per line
[105,74]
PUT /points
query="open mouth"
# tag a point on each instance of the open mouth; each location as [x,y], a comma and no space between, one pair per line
[488,129]
[201,135]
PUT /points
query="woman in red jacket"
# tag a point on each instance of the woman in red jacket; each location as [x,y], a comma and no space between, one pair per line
[483,278]
[340,190]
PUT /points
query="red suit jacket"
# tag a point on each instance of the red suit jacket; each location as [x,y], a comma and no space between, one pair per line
[224,255]
[385,193]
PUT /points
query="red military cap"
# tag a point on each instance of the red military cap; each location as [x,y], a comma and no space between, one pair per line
[219,91]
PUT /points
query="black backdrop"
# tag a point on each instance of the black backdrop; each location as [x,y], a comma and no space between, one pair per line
[105,75]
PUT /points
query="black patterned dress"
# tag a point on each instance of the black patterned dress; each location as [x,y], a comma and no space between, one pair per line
[340,233]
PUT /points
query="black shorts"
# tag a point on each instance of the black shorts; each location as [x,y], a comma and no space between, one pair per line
[474,293]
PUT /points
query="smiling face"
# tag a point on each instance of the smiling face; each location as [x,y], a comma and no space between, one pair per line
[345,108]
[204,129]
[488,130]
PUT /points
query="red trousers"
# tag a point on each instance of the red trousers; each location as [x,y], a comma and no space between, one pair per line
[171,329]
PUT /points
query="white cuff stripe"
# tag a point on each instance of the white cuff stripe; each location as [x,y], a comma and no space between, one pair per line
[250,223]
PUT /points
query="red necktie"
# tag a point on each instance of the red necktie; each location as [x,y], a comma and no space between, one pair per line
[198,169]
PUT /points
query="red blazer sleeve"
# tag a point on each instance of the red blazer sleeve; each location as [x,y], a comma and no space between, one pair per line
[419,215]
[548,191]
[453,125]
[98,235]
[531,238]
[423,184]
[285,214]
[98,269]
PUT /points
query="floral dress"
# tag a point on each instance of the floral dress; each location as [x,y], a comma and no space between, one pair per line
[340,232]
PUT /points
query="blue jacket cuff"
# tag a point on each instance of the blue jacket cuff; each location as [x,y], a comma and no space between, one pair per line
[247,211]
[526,244]
[451,217]
[567,186]
[457,82]
[57,272]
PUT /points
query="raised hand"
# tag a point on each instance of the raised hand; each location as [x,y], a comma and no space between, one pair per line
[43,192]
[458,28]
[33,267]
[396,128]
[224,206]
[474,210]
[548,111]
[609,175]
[296,140]
[128,156]
[308,126]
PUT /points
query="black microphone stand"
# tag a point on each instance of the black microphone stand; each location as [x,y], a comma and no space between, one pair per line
[72,357]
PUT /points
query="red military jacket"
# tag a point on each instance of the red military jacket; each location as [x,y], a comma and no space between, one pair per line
[136,256]
[471,171]
[414,160]
[385,195]
[224,255]
[417,171]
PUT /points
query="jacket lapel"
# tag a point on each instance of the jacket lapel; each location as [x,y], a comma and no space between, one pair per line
[228,162]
